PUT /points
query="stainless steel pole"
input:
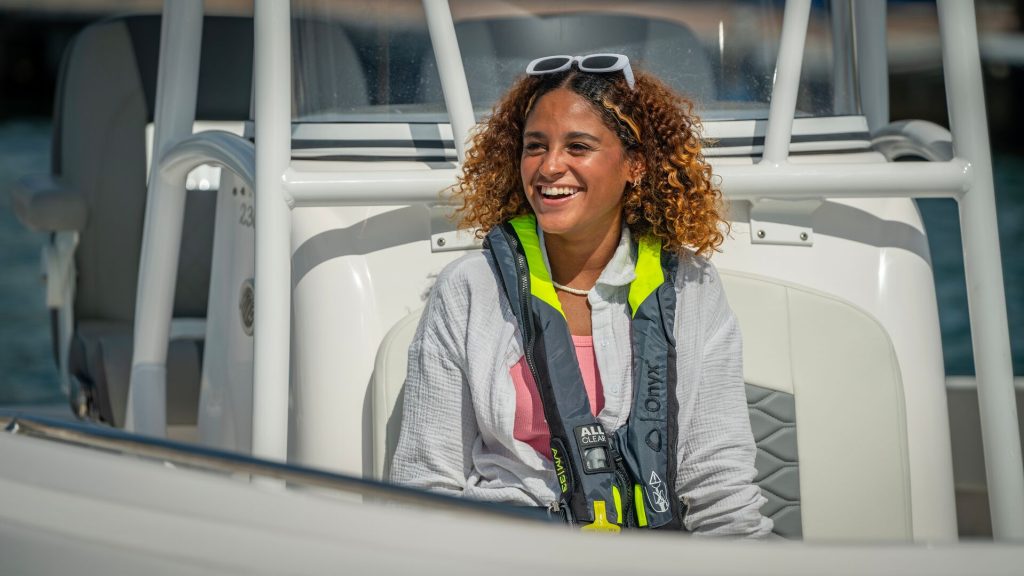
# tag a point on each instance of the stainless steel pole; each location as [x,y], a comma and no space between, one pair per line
[453,75]
[787,81]
[272,70]
[869,24]
[177,82]
[986,300]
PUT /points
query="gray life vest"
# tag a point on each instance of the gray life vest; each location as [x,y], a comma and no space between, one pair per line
[606,481]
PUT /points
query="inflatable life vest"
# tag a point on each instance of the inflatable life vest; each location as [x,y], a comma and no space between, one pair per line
[606,481]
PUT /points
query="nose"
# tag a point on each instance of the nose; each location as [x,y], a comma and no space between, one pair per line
[553,165]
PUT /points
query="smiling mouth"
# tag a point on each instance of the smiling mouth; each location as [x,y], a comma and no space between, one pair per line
[558,192]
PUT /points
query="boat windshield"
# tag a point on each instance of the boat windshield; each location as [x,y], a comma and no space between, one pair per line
[371,61]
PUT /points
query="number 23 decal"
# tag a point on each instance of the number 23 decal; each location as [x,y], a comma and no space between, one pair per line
[246,218]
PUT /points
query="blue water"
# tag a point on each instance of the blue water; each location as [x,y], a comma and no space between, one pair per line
[28,374]
[943,226]
[27,370]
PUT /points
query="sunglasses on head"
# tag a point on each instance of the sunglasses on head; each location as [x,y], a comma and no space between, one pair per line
[593,63]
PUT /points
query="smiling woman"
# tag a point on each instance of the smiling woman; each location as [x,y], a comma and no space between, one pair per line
[552,370]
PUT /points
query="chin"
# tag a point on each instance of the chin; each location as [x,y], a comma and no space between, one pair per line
[555,226]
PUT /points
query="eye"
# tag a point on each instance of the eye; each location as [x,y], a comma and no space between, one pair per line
[579,148]
[533,147]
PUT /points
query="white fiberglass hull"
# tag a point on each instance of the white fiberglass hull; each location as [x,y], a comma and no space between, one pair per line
[69,509]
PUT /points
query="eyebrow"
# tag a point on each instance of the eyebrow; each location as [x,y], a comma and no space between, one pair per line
[583,136]
[571,135]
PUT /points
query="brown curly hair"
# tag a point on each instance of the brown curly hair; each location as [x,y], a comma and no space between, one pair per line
[676,201]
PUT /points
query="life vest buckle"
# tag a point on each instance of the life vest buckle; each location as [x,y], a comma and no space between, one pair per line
[601,523]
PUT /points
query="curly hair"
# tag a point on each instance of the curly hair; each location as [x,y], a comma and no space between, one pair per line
[676,200]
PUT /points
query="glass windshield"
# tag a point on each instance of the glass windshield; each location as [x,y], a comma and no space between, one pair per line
[363,60]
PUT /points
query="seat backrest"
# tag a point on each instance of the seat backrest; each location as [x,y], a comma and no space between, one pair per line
[827,412]
[105,98]
[826,409]
[389,371]
[329,77]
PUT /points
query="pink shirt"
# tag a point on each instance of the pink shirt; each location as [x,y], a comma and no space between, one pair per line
[530,425]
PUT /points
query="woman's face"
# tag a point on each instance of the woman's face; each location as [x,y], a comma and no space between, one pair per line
[574,168]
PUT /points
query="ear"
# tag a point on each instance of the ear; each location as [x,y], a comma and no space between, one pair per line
[635,167]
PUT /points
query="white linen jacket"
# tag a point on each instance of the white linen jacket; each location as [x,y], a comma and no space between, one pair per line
[460,402]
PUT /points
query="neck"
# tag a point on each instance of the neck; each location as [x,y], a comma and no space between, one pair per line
[578,262]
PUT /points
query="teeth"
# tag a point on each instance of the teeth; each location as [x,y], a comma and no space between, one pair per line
[557,191]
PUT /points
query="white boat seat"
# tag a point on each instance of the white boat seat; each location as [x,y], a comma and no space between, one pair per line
[497,51]
[826,409]
[105,99]
[388,378]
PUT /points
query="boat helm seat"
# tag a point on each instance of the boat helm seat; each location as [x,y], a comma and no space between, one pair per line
[497,51]
[105,100]
[826,409]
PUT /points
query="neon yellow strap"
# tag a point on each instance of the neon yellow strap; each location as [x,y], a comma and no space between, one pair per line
[540,281]
[638,503]
[618,503]
[601,523]
[649,274]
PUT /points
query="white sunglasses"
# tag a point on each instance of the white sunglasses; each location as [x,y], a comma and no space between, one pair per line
[595,63]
